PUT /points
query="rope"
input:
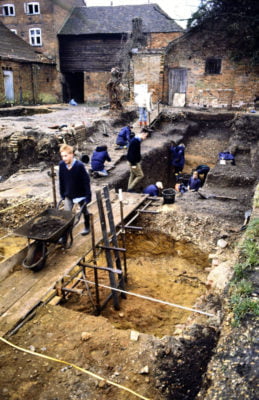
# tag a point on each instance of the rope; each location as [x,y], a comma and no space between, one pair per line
[5,236]
[148,298]
[74,366]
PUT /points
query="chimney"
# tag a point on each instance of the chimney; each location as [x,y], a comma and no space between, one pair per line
[138,37]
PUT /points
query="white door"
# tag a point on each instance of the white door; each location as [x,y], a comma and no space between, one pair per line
[8,85]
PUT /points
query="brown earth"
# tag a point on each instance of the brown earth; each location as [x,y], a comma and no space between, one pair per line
[172,266]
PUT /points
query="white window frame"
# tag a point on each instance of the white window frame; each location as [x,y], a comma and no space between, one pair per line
[33,37]
[33,4]
[14,31]
[11,10]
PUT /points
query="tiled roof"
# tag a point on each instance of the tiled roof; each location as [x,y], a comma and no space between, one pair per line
[15,48]
[117,19]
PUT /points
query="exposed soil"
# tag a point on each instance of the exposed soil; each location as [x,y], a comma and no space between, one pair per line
[159,268]
[169,262]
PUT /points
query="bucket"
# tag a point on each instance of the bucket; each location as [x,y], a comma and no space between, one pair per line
[168,195]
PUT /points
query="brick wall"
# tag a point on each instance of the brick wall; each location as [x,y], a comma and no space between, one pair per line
[235,85]
[148,64]
[33,83]
[160,40]
[95,87]
[51,18]
[146,70]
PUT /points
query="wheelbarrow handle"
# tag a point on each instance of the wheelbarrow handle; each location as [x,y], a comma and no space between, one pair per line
[59,203]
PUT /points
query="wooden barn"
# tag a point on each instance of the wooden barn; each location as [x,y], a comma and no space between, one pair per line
[95,39]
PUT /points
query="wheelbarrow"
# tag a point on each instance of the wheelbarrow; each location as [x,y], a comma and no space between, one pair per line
[51,226]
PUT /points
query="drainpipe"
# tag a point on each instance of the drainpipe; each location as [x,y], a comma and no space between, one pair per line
[33,80]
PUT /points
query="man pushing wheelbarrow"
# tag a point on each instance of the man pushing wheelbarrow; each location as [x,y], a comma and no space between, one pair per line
[74,184]
[55,225]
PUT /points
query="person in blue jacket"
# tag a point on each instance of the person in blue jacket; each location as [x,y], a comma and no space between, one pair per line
[153,190]
[194,183]
[177,157]
[74,184]
[124,136]
[100,155]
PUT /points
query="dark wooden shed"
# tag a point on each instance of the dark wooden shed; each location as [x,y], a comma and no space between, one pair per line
[92,41]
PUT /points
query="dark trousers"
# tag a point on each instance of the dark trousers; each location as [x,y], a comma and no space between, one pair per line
[68,205]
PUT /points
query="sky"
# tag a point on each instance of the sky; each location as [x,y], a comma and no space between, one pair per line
[176,9]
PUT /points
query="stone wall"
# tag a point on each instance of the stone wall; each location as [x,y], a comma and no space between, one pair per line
[33,83]
[234,86]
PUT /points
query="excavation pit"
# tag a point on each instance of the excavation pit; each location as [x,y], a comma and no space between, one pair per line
[159,268]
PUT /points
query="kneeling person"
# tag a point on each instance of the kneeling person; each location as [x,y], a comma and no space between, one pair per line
[100,155]
[154,190]
[194,183]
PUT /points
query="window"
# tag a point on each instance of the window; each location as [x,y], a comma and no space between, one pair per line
[8,10]
[32,8]
[14,31]
[35,37]
[213,66]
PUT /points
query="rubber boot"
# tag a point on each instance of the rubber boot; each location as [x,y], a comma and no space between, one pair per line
[140,123]
[86,231]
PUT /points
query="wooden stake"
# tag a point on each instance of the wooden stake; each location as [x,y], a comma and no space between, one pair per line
[113,235]
[107,251]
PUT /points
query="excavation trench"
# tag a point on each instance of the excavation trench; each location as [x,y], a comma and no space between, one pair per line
[158,267]
[168,261]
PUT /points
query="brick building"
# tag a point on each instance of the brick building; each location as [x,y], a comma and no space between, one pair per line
[199,71]
[37,22]
[95,39]
[27,77]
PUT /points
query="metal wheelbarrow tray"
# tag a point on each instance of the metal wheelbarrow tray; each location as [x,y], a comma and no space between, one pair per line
[48,227]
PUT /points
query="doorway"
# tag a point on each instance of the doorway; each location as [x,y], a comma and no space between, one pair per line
[8,85]
[73,87]
[177,82]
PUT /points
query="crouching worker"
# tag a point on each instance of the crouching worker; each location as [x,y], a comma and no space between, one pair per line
[100,155]
[194,183]
[74,184]
[124,137]
[154,190]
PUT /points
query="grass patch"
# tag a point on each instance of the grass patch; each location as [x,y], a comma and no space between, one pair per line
[241,288]
[242,306]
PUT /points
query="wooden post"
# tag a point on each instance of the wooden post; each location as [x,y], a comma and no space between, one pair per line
[113,236]
[95,263]
[107,251]
[123,235]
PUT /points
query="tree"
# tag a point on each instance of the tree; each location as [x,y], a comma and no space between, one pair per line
[238,19]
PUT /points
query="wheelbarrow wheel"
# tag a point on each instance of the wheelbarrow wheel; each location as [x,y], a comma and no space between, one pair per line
[36,256]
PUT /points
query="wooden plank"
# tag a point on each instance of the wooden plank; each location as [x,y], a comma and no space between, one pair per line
[58,264]
[14,287]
